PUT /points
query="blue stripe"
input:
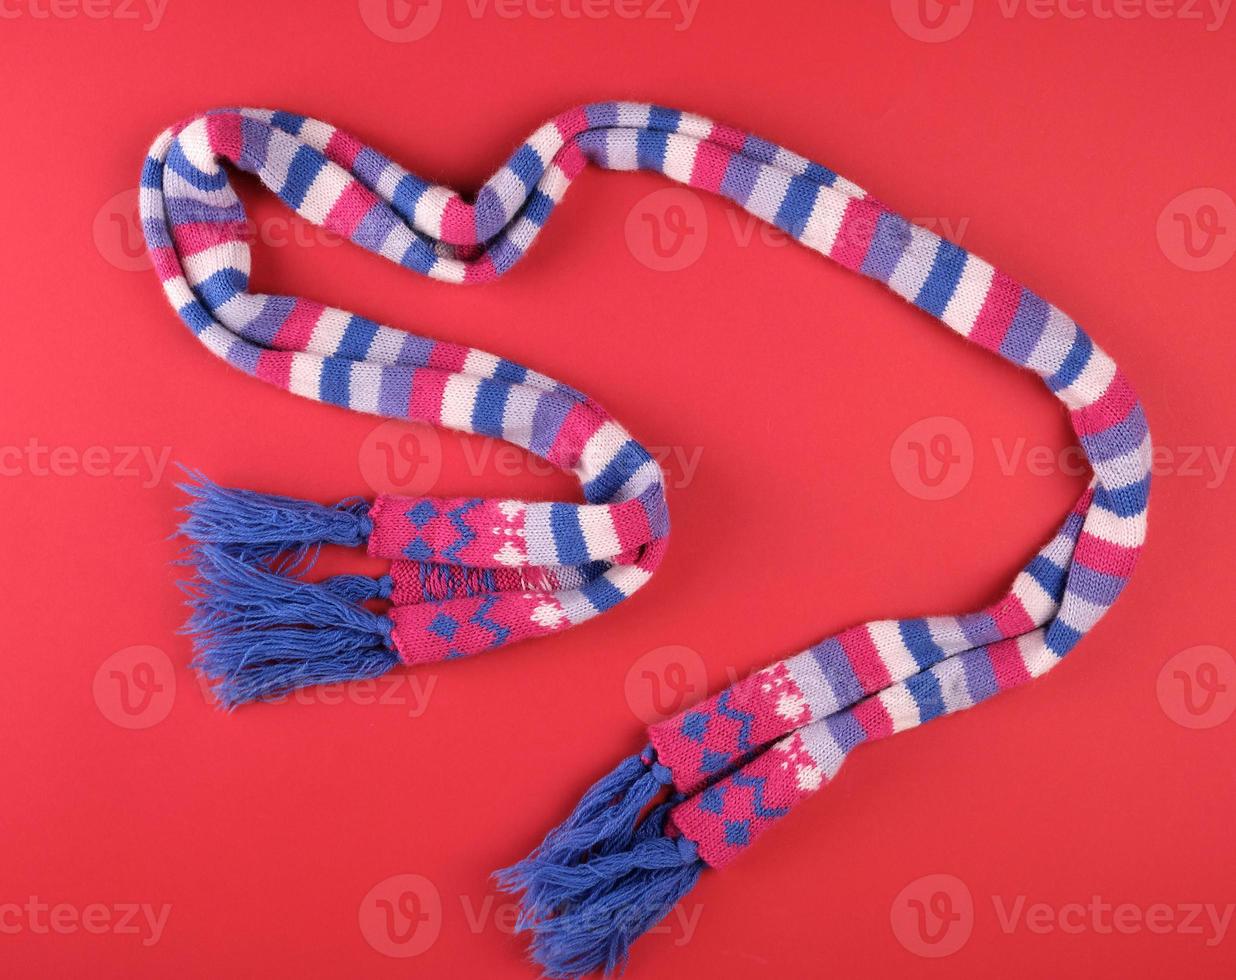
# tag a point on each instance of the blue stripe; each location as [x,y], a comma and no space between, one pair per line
[626,461]
[602,593]
[664,119]
[488,408]
[1124,501]
[179,164]
[550,413]
[217,288]
[152,173]
[601,114]
[538,208]
[925,689]
[916,635]
[820,174]
[420,256]
[407,192]
[1048,574]
[1061,637]
[1076,361]
[289,122]
[796,206]
[650,149]
[942,280]
[254,144]
[357,336]
[527,166]
[568,538]
[759,149]
[195,316]
[845,730]
[740,177]
[304,167]
[333,387]
[510,372]
[1116,439]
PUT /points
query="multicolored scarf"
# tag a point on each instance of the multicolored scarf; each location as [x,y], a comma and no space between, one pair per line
[469,575]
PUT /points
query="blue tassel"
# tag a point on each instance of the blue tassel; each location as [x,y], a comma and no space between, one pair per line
[596,909]
[605,821]
[260,633]
[261,525]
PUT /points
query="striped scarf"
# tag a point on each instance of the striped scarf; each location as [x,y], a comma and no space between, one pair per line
[469,575]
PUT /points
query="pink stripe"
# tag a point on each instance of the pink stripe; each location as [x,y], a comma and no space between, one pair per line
[446,356]
[350,209]
[571,160]
[425,402]
[459,222]
[166,263]
[728,136]
[857,228]
[864,657]
[198,236]
[997,313]
[223,132]
[1007,665]
[343,148]
[482,270]
[274,366]
[296,330]
[1112,407]
[1105,557]
[874,718]
[576,429]
[710,164]
[571,123]
[630,524]
[1011,616]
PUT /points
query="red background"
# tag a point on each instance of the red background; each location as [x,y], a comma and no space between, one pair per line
[1056,143]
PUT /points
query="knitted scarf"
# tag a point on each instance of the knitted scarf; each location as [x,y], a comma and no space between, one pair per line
[469,575]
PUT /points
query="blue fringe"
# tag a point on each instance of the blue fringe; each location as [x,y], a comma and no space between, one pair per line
[260,633]
[602,912]
[261,525]
[606,875]
[605,821]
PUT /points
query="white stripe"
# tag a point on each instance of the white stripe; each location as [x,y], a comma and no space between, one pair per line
[824,222]
[969,296]
[1054,343]
[316,133]
[886,636]
[546,142]
[327,187]
[218,339]
[634,114]
[364,384]
[622,149]
[202,265]
[328,331]
[600,449]
[1091,384]
[458,401]
[1039,605]
[480,364]
[305,376]
[553,183]
[600,537]
[679,157]
[915,263]
[768,192]
[430,207]
[689,124]
[901,707]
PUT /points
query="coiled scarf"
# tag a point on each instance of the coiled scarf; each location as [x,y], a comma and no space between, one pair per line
[470,575]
